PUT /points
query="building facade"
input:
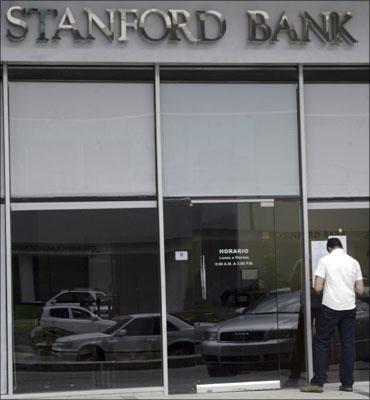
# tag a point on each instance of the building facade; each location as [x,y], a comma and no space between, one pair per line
[170,173]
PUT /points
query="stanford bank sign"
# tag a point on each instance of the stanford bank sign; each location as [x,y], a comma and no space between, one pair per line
[173,25]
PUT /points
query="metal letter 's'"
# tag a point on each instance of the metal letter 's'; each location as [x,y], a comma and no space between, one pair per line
[322,32]
[261,25]
[94,19]
[125,25]
[339,33]
[68,23]
[286,26]
[202,25]
[163,16]
[177,26]
[42,13]
[18,22]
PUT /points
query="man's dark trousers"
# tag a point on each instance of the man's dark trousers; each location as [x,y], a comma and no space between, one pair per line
[346,322]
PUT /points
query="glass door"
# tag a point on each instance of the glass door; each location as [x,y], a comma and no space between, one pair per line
[221,271]
[349,221]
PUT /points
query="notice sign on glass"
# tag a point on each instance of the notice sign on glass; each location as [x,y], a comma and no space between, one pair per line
[233,258]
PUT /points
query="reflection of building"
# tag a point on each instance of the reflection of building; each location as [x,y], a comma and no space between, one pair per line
[243,141]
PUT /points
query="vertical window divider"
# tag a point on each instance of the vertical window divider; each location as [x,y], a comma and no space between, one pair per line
[306,263]
[158,137]
[8,249]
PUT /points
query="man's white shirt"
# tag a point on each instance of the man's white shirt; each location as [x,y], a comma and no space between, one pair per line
[340,272]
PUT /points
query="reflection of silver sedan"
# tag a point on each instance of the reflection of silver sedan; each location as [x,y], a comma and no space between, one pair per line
[265,335]
[136,337]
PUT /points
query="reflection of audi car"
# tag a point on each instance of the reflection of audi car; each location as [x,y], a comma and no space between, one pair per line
[135,337]
[264,336]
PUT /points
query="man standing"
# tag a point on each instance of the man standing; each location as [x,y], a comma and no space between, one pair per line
[339,276]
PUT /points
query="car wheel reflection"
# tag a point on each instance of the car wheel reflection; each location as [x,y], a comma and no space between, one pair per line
[91,353]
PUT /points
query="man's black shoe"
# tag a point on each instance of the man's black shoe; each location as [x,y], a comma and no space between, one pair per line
[346,388]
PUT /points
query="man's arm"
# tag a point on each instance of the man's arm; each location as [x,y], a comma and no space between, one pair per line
[359,287]
[319,284]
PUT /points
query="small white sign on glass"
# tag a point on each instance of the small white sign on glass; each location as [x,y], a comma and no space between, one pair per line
[181,255]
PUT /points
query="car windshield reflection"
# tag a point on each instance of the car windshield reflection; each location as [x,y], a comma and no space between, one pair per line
[276,302]
[117,326]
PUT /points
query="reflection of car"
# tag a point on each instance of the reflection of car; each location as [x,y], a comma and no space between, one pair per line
[135,337]
[72,319]
[93,299]
[57,321]
[264,336]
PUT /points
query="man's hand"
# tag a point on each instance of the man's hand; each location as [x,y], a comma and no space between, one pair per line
[319,284]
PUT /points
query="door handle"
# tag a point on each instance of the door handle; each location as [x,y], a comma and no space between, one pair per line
[150,340]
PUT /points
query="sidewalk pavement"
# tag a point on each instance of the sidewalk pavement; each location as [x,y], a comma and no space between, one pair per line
[360,391]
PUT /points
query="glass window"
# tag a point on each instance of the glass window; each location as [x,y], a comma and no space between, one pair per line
[66,298]
[141,327]
[84,298]
[102,251]
[118,326]
[337,131]
[82,139]
[351,225]
[59,313]
[171,327]
[285,303]
[229,139]
[80,314]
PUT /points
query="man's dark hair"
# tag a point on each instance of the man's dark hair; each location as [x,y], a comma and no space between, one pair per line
[332,243]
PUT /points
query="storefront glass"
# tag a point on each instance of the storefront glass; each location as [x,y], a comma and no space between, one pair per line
[233,264]
[222,265]
[351,225]
[337,124]
[85,245]
[86,299]
[85,252]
